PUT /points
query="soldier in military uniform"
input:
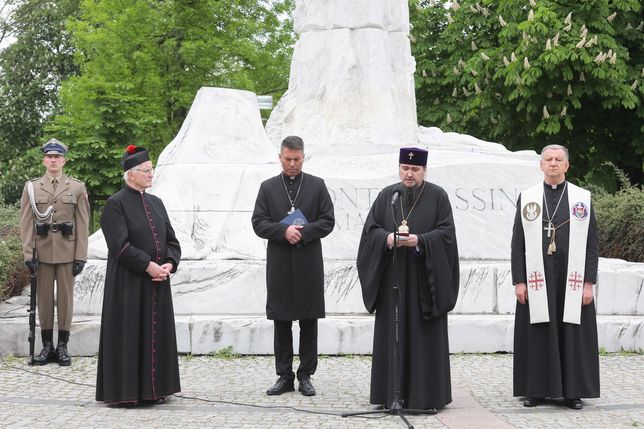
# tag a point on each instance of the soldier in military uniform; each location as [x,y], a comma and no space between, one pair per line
[54,216]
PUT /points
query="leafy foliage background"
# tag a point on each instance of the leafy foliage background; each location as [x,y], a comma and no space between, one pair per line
[528,73]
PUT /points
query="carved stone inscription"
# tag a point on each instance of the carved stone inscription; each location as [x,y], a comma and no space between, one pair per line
[352,204]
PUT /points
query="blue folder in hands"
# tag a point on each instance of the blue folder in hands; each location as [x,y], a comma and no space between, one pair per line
[295,218]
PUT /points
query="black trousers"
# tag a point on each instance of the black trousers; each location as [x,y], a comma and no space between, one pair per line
[283,347]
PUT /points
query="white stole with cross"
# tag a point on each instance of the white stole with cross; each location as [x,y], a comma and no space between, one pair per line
[532,220]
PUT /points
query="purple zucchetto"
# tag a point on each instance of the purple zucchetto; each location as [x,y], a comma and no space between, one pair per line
[413,156]
[133,156]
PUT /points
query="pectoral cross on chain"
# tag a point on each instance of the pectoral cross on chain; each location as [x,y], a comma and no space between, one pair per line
[549,228]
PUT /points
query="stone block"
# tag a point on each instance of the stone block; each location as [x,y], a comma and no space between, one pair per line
[620,288]
[505,297]
[476,292]
[388,15]
[620,333]
[250,335]
[470,333]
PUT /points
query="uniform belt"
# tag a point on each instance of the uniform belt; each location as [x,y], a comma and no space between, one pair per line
[65,228]
[55,227]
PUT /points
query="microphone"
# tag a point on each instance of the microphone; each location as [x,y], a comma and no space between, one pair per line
[395,196]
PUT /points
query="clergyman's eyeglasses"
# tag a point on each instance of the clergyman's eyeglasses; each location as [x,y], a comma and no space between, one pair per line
[145,170]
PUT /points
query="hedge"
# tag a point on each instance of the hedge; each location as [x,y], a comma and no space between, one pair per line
[13,273]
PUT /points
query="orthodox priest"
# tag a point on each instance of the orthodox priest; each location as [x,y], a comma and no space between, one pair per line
[408,266]
[293,211]
[554,267]
[137,356]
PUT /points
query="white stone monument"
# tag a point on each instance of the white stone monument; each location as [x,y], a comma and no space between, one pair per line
[209,175]
[351,97]
[351,87]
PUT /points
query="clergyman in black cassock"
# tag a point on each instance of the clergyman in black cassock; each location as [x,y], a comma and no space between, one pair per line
[427,273]
[555,359]
[294,266]
[137,357]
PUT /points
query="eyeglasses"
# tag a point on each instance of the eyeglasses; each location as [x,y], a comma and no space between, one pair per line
[145,171]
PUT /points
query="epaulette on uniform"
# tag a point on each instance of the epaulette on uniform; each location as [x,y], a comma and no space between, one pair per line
[74,179]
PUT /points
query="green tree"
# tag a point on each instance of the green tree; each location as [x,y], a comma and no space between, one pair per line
[31,71]
[142,62]
[534,72]
[5,22]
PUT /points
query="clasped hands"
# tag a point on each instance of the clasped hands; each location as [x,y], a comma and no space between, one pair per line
[158,272]
[293,234]
[412,241]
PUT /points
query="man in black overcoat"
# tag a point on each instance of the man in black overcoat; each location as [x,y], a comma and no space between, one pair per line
[554,266]
[137,355]
[293,211]
[421,260]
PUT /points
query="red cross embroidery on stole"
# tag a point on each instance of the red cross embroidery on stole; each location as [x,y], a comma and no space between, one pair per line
[574,281]
[535,280]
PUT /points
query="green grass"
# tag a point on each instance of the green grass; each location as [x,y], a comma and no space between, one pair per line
[225,353]
[8,360]
[603,352]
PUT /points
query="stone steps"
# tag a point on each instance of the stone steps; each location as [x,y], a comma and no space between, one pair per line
[338,334]
[220,304]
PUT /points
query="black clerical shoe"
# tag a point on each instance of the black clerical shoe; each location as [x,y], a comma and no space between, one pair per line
[158,401]
[282,385]
[531,402]
[306,387]
[123,404]
[574,404]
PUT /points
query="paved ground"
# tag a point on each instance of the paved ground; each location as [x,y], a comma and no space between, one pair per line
[230,393]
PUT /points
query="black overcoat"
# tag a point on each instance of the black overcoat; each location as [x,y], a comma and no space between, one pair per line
[137,357]
[555,359]
[294,273]
[428,280]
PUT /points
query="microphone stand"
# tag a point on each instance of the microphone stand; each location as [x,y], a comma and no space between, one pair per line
[396,407]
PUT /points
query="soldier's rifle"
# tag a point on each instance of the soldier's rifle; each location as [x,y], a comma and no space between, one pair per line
[32,306]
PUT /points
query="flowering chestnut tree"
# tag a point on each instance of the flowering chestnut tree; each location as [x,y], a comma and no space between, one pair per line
[528,73]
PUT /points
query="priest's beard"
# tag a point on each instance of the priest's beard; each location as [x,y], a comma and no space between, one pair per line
[411,194]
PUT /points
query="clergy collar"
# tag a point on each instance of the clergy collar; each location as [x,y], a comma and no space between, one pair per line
[553,187]
[291,178]
[130,188]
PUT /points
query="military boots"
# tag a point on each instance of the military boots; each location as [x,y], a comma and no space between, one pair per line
[47,354]
[61,349]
